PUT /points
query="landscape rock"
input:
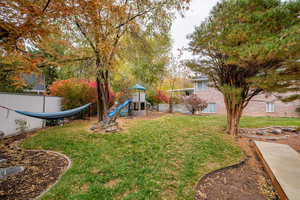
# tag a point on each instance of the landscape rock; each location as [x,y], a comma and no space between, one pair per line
[2,160]
[288,129]
[260,132]
[112,129]
[94,127]
[277,131]
[5,172]
[2,135]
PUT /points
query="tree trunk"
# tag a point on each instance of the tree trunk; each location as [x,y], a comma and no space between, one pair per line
[234,113]
[171,103]
[102,91]
[170,106]
[100,111]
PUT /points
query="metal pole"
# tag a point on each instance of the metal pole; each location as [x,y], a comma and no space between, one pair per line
[44,109]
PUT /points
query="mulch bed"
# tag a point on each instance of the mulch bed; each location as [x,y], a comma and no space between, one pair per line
[244,181]
[42,169]
[235,183]
[247,180]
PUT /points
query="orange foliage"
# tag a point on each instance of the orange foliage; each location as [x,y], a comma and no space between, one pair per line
[76,92]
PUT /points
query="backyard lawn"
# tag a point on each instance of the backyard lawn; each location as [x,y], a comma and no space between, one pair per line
[161,158]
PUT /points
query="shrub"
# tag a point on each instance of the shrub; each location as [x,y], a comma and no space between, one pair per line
[156,97]
[161,97]
[176,99]
[194,103]
[74,92]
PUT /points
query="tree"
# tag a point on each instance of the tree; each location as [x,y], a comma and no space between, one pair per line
[284,82]
[31,38]
[91,29]
[242,40]
[147,56]
[102,24]
[194,103]
[177,72]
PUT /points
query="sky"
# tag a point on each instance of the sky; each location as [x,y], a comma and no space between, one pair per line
[199,10]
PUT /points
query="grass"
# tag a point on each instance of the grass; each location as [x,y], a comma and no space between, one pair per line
[154,159]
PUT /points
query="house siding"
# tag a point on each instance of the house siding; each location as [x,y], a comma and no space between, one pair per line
[256,107]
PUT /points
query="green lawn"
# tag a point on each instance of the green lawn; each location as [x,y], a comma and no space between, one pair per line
[154,159]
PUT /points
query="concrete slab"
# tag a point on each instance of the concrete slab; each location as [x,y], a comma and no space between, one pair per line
[284,164]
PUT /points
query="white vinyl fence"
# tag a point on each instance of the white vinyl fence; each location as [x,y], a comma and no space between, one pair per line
[181,108]
[24,102]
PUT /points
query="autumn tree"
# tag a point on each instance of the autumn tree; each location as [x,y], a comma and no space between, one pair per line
[100,25]
[194,103]
[242,40]
[29,36]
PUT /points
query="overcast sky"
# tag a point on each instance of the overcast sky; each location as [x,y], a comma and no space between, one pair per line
[199,10]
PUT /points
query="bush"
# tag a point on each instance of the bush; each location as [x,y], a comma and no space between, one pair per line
[194,103]
[74,92]
[161,97]
[176,99]
[157,97]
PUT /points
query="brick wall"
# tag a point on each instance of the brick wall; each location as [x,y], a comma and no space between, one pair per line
[256,107]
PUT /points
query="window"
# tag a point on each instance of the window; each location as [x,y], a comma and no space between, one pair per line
[202,85]
[270,107]
[211,108]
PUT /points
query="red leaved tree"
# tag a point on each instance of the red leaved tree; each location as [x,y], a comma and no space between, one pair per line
[161,96]
[75,93]
[194,103]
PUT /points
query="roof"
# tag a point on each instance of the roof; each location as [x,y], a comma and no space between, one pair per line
[181,90]
[200,78]
[36,82]
[138,87]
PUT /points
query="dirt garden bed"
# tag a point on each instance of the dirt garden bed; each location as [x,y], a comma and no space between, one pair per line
[41,170]
[247,180]
[243,181]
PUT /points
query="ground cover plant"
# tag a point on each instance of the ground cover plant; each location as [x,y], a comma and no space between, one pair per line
[162,158]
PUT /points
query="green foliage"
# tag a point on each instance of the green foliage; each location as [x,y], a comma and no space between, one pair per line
[147,56]
[7,82]
[22,125]
[243,41]
[51,74]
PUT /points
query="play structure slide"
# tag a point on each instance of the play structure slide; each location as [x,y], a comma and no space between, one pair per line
[119,108]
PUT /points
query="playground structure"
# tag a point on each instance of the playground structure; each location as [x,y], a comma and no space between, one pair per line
[139,103]
[134,106]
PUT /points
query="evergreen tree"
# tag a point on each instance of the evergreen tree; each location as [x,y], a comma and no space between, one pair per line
[243,40]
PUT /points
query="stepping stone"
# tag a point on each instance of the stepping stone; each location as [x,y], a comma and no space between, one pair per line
[5,172]
[283,165]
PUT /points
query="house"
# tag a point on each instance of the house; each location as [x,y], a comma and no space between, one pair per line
[36,83]
[32,99]
[260,105]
